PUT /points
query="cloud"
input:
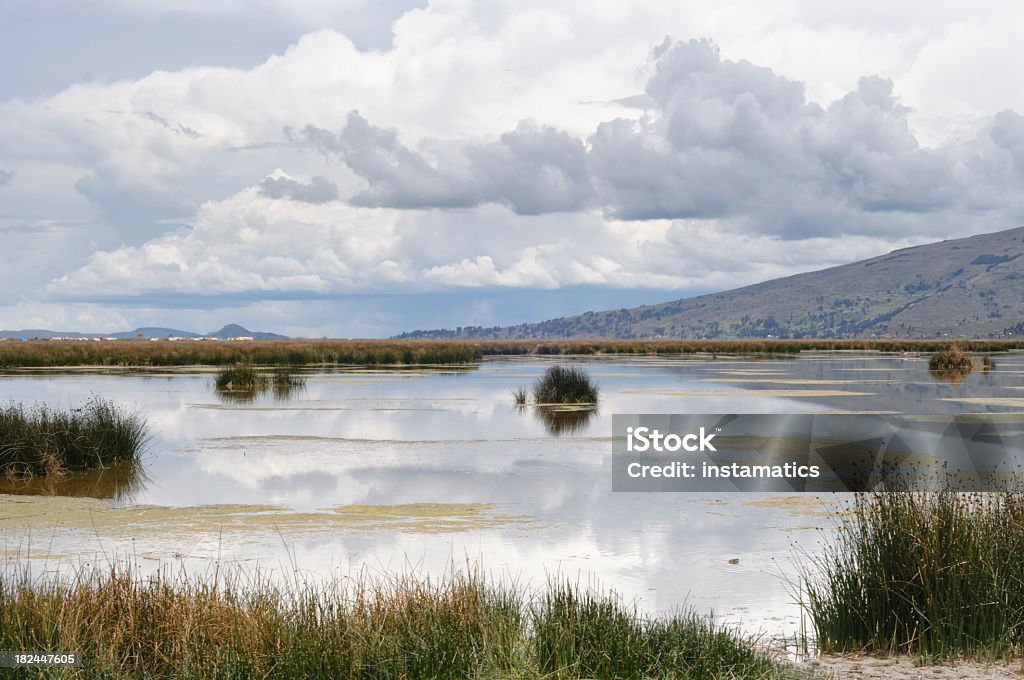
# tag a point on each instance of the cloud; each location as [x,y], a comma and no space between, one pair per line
[317,190]
[253,246]
[718,139]
[6,177]
[530,169]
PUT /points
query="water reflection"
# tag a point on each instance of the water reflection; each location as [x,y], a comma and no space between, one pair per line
[565,420]
[953,375]
[120,481]
[390,437]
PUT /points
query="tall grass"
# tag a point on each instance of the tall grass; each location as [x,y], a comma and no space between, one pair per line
[41,440]
[936,574]
[48,353]
[460,626]
[565,385]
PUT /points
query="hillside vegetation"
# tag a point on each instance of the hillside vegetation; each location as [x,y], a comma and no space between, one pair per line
[971,287]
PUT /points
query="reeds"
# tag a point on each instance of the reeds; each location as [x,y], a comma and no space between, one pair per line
[951,364]
[48,353]
[565,385]
[459,626]
[41,440]
[935,574]
[245,383]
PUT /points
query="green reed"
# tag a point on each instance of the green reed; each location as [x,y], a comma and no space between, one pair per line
[936,574]
[565,385]
[41,440]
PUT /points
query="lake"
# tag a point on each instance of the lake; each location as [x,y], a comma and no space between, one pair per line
[416,470]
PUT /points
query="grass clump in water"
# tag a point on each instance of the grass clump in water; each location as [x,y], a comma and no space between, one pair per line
[951,365]
[234,625]
[40,440]
[935,574]
[245,383]
[565,385]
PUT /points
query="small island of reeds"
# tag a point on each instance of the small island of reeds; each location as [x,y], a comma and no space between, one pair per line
[565,385]
[245,383]
[457,626]
[40,440]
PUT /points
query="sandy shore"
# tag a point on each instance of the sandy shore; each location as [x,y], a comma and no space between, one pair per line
[904,668]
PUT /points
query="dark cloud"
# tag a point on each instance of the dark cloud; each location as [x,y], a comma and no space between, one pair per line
[531,169]
[718,139]
[6,177]
[318,190]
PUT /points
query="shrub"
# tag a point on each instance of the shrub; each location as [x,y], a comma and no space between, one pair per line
[565,385]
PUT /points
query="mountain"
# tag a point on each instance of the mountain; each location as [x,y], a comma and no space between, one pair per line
[233,330]
[229,331]
[969,287]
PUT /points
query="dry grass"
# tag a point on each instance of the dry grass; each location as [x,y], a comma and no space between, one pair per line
[459,626]
[46,353]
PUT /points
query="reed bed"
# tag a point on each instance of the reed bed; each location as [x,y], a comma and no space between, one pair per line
[48,353]
[246,383]
[40,440]
[934,574]
[460,626]
[565,385]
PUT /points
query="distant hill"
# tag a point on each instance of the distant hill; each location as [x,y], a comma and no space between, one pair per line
[229,331]
[970,287]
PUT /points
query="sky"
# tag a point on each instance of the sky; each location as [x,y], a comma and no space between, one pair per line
[359,168]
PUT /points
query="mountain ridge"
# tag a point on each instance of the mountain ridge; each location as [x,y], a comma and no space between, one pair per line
[230,330]
[967,287]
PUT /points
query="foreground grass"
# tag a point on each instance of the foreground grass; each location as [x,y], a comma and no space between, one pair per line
[40,440]
[458,627]
[934,574]
[46,353]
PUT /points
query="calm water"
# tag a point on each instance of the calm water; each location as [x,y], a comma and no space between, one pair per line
[463,476]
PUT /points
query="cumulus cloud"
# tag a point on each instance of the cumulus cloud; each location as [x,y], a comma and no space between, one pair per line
[531,169]
[317,190]
[253,244]
[718,139]
[498,145]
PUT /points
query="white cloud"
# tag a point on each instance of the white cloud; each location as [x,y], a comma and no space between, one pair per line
[503,144]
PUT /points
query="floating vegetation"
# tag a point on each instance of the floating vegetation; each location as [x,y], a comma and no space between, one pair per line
[951,365]
[245,383]
[422,352]
[233,623]
[933,574]
[520,397]
[44,441]
[565,385]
